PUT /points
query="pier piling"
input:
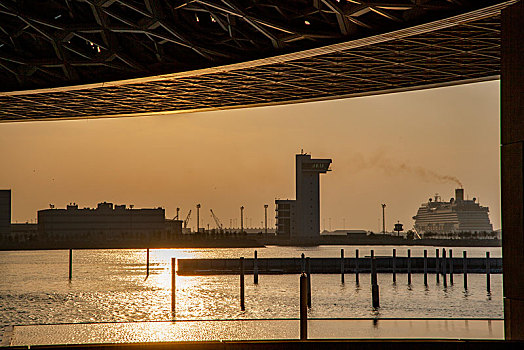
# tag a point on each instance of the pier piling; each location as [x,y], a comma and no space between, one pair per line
[70,264]
[437,265]
[303,306]
[451,266]
[242,293]
[425,267]
[356,266]
[147,263]
[394,266]
[465,268]
[173,285]
[444,277]
[255,268]
[308,275]
[341,265]
[302,263]
[409,266]
[488,273]
[375,299]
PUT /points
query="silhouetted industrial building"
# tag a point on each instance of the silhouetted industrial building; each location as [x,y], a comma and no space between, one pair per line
[300,218]
[108,221]
[5,212]
[286,217]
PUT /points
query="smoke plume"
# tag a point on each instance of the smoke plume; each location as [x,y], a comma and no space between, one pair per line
[379,161]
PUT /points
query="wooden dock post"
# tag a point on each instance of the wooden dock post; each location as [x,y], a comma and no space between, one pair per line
[465,268]
[147,263]
[341,265]
[451,266]
[70,264]
[425,267]
[356,266]
[302,263]
[444,277]
[308,275]
[255,268]
[375,298]
[488,273]
[437,265]
[173,285]
[409,266]
[242,293]
[303,307]
[394,266]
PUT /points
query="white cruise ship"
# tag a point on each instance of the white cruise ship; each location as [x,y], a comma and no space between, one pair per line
[459,215]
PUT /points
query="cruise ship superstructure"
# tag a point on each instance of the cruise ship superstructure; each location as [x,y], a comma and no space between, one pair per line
[456,216]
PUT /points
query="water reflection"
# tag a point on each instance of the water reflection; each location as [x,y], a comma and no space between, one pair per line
[109,285]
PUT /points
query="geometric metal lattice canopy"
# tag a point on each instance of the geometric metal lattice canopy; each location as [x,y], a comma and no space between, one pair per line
[99,62]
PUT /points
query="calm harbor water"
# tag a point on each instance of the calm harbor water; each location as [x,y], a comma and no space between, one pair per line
[110,286]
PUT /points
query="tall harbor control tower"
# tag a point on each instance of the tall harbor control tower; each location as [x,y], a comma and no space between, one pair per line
[300,218]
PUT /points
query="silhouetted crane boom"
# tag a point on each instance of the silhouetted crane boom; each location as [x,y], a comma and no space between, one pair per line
[217,221]
[186,221]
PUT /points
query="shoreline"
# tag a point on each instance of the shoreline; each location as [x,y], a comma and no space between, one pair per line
[253,243]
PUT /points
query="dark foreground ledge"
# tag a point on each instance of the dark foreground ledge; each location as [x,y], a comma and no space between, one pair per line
[386,344]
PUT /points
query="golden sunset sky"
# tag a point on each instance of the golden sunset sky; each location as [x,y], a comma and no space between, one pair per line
[397,149]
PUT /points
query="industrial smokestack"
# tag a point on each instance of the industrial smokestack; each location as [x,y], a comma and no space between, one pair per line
[459,194]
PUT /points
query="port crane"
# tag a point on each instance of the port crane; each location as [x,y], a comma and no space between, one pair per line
[217,221]
[186,221]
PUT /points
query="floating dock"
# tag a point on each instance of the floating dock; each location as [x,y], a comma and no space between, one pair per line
[268,266]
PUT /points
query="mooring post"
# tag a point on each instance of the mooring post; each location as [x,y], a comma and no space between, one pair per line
[394,266]
[409,266]
[465,268]
[308,275]
[444,277]
[451,266]
[373,268]
[425,267]
[356,266]
[488,273]
[303,306]
[242,303]
[437,265]
[70,264]
[173,285]
[147,263]
[302,263]
[375,299]
[342,265]
[255,268]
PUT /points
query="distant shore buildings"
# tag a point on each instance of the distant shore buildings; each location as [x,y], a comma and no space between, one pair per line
[297,220]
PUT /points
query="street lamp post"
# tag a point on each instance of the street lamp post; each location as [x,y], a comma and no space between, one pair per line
[383,218]
[241,219]
[198,217]
[265,219]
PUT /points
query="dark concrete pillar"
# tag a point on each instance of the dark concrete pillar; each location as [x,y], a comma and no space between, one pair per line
[512,155]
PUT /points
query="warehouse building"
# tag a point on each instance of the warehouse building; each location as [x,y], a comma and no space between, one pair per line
[5,213]
[106,221]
